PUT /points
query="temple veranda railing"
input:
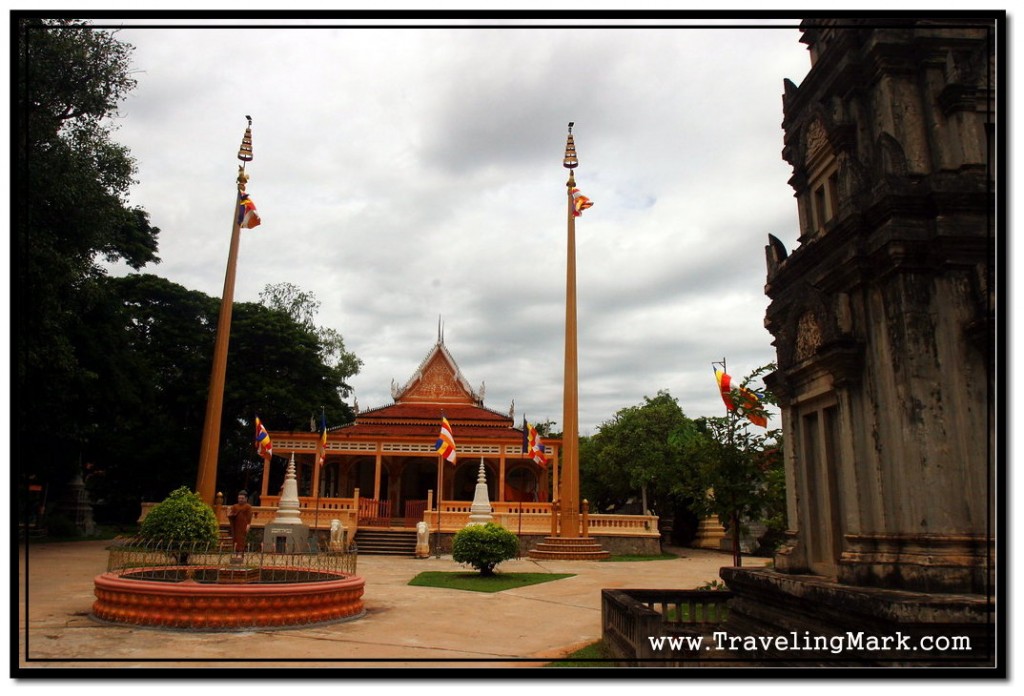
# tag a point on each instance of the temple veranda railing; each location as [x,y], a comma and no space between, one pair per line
[530,518]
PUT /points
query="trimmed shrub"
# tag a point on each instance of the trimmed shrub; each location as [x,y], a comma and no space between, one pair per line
[484,546]
[181,518]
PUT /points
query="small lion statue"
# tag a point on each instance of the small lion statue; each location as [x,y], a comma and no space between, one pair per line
[337,536]
[422,540]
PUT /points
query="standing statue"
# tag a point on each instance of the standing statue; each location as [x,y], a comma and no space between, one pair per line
[240,518]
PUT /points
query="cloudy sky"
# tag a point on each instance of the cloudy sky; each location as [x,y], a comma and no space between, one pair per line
[408,170]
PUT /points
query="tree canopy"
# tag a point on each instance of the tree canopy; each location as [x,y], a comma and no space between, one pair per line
[675,465]
[631,456]
[112,374]
[71,187]
[150,439]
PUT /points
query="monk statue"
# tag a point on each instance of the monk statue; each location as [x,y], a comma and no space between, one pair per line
[240,518]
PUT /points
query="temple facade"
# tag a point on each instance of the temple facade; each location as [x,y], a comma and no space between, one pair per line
[383,472]
[388,458]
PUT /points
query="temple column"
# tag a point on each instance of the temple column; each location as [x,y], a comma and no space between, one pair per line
[376,477]
[501,476]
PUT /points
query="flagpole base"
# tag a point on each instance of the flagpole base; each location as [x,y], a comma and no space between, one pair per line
[569,549]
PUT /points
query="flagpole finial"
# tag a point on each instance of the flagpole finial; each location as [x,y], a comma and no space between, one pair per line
[245,155]
[570,161]
[245,151]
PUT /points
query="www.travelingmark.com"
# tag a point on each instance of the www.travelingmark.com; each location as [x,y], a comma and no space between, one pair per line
[794,642]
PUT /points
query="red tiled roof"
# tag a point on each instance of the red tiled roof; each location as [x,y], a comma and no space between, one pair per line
[432,412]
[425,431]
[437,388]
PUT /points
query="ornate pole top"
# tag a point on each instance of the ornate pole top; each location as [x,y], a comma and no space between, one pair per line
[246,150]
[245,154]
[570,161]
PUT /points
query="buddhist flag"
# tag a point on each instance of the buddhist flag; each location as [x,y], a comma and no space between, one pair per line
[533,446]
[746,403]
[322,449]
[263,445]
[247,217]
[445,445]
[580,202]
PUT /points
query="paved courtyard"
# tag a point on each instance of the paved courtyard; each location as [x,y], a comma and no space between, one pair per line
[404,626]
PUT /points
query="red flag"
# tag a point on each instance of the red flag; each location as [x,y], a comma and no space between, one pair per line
[263,444]
[445,444]
[580,202]
[247,217]
[745,404]
[322,449]
[533,446]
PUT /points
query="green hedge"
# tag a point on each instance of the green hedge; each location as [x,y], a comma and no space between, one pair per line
[484,546]
[182,517]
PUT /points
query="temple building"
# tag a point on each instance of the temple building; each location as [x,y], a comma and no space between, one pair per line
[389,456]
[380,476]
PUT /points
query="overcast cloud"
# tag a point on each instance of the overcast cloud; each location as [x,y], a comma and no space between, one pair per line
[409,173]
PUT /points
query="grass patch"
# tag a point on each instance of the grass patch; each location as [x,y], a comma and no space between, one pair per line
[474,582]
[663,556]
[593,655]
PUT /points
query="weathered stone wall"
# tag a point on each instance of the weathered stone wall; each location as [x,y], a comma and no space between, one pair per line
[883,316]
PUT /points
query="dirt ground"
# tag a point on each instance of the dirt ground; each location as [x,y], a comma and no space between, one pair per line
[404,626]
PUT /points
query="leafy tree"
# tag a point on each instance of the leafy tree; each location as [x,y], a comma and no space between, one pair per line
[71,188]
[734,467]
[151,402]
[302,307]
[150,436]
[276,368]
[484,546]
[632,454]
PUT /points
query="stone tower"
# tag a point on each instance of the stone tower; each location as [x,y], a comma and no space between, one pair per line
[884,323]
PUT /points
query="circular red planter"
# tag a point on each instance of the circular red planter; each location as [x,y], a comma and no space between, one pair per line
[226,607]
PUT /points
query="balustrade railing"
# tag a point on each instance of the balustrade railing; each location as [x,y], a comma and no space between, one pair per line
[525,518]
[148,559]
[374,512]
[414,510]
[633,620]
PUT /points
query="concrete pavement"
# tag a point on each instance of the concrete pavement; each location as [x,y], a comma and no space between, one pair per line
[404,626]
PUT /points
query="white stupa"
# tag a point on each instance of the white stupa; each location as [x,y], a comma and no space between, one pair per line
[480,510]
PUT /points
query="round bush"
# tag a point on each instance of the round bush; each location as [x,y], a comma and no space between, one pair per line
[484,546]
[181,518]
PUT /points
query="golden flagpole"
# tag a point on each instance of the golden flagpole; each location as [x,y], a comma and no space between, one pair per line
[437,502]
[568,540]
[569,503]
[206,479]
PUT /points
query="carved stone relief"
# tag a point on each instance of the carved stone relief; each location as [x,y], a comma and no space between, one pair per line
[808,336]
